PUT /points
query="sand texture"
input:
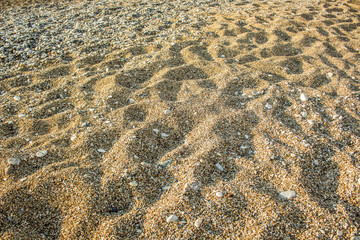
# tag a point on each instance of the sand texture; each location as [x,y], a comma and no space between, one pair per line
[180,120]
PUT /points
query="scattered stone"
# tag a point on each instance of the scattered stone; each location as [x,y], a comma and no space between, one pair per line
[268,106]
[172,218]
[330,74]
[85,124]
[131,101]
[156,130]
[134,183]
[287,195]
[164,135]
[165,164]
[17,98]
[101,150]
[218,166]
[73,137]
[13,161]
[219,194]
[303,97]
[41,153]
[167,111]
[198,222]
[195,186]
[316,162]
[21,115]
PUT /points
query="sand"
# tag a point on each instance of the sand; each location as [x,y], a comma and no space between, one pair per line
[245,126]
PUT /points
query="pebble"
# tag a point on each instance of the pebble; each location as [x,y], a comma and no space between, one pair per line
[134,183]
[268,106]
[17,98]
[13,161]
[73,137]
[303,97]
[287,195]
[131,101]
[101,150]
[172,218]
[195,186]
[330,74]
[164,135]
[198,222]
[219,194]
[219,167]
[41,153]
[167,111]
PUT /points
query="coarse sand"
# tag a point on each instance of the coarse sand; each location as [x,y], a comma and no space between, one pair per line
[180,119]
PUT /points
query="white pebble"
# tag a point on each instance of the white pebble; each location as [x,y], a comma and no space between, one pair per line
[167,111]
[268,106]
[330,74]
[316,162]
[17,98]
[41,153]
[73,137]
[172,218]
[219,167]
[303,97]
[219,194]
[101,150]
[198,222]
[131,101]
[156,130]
[13,161]
[287,195]
[195,186]
[21,115]
[164,135]
[133,183]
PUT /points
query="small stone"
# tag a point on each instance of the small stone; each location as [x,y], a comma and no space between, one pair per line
[73,137]
[13,161]
[198,222]
[164,135]
[195,186]
[219,194]
[133,183]
[167,111]
[131,101]
[219,167]
[172,218]
[156,130]
[288,195]
[303,97]
[100,150]
[21,115]
[17,98]
[41,153]
[316,162]
[330,74]
[85,124]
[268,106]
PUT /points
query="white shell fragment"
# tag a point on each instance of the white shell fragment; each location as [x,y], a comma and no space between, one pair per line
[13,161]
[172,218]
[287,195]
[303,97]
[41,153]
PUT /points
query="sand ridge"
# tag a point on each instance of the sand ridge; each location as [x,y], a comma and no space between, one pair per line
[210,124]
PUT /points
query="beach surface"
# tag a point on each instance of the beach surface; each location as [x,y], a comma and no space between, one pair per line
[180,119]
